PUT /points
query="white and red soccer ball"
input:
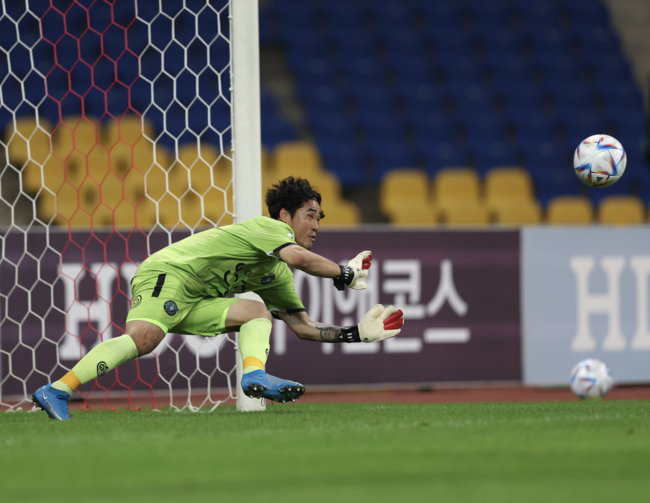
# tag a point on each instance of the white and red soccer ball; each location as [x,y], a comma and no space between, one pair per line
[599,160]
[591,379]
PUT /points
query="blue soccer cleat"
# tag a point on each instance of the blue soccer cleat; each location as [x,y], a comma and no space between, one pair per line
[53,401]
[259,384]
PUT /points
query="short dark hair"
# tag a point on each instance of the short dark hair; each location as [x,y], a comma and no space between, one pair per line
[290,194]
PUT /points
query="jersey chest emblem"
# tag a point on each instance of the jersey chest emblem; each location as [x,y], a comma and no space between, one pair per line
[268,279]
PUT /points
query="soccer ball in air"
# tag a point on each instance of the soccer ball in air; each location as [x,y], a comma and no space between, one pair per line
[599,160]
[591,379]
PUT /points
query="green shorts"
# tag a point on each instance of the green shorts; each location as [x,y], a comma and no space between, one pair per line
[160,298]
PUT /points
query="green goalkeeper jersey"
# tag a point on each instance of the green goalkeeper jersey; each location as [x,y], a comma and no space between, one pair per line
[233,259]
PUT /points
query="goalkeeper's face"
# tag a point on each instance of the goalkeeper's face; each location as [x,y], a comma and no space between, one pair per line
[305,223]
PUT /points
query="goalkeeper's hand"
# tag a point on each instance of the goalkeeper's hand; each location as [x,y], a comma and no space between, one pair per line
[351,273]
[379,323]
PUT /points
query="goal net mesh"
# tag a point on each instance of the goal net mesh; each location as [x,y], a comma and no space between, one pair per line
[116,130]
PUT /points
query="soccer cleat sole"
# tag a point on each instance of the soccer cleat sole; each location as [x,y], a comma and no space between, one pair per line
[289,393]
[40,406]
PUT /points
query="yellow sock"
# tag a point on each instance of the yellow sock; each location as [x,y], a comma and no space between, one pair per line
[99,360]
[67,383]
[254,343]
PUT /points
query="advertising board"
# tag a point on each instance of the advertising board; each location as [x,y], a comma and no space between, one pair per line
[585,295]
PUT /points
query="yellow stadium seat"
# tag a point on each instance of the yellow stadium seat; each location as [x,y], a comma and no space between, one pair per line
[340,213]
[296,158]
[27,139]
[567,210]
[77,133]
[621,210]
[504,185]
[129,129]
[327,185]
[471,212]
[403,187]
[28,147]
[452,185]
[414,214]
[524,212]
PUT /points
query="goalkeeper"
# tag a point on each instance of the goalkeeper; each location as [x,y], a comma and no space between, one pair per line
[186,288]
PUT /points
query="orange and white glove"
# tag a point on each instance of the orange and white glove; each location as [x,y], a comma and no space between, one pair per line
[379,323]
[355,269]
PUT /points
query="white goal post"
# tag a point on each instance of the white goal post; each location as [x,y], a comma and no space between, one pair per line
[246,137]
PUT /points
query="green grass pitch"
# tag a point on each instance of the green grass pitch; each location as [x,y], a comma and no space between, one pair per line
[545,452]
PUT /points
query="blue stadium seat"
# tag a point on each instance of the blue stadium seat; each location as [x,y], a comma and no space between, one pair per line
[382,127]
[581,125]
[276,130]
[440,14]
[489,154]
[362,67]
[586,12]
[599,38]
[510,69]
[498,39]
[322,98]
[550,182]
[314,71]
[268,106]
[412,70]
[331,127]
[431,126]
[419,94]
[485,128]
[374,96]
[532,126]
[391,14]
[306,41]
[388,155]
[442,154]
[348,38]
[343,12]
[624,94]
[348,162]
[295,14]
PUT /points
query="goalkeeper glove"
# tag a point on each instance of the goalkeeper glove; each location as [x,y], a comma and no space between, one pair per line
[351,273]
[378,324]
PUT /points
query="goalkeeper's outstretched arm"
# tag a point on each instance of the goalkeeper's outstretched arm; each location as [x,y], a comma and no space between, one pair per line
[378,324]
[316,265]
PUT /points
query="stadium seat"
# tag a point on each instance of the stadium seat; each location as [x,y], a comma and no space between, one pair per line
[75,133]
[196,166]
[413,214]
[345,160]
[27,132]
[441,155]
[389,155]
[505,186]
[328,186]
[463,213]
[297,158]
[129,128]
[566,210]
[340,213]
[517,212]
[404,188]
[621,210]
[455,188]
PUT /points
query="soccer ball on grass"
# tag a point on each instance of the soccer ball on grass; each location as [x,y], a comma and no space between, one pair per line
[591,379]
[599,160]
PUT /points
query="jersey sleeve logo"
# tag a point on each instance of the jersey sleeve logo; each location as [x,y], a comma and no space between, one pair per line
[290,236]
[171,308]
[136,302]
